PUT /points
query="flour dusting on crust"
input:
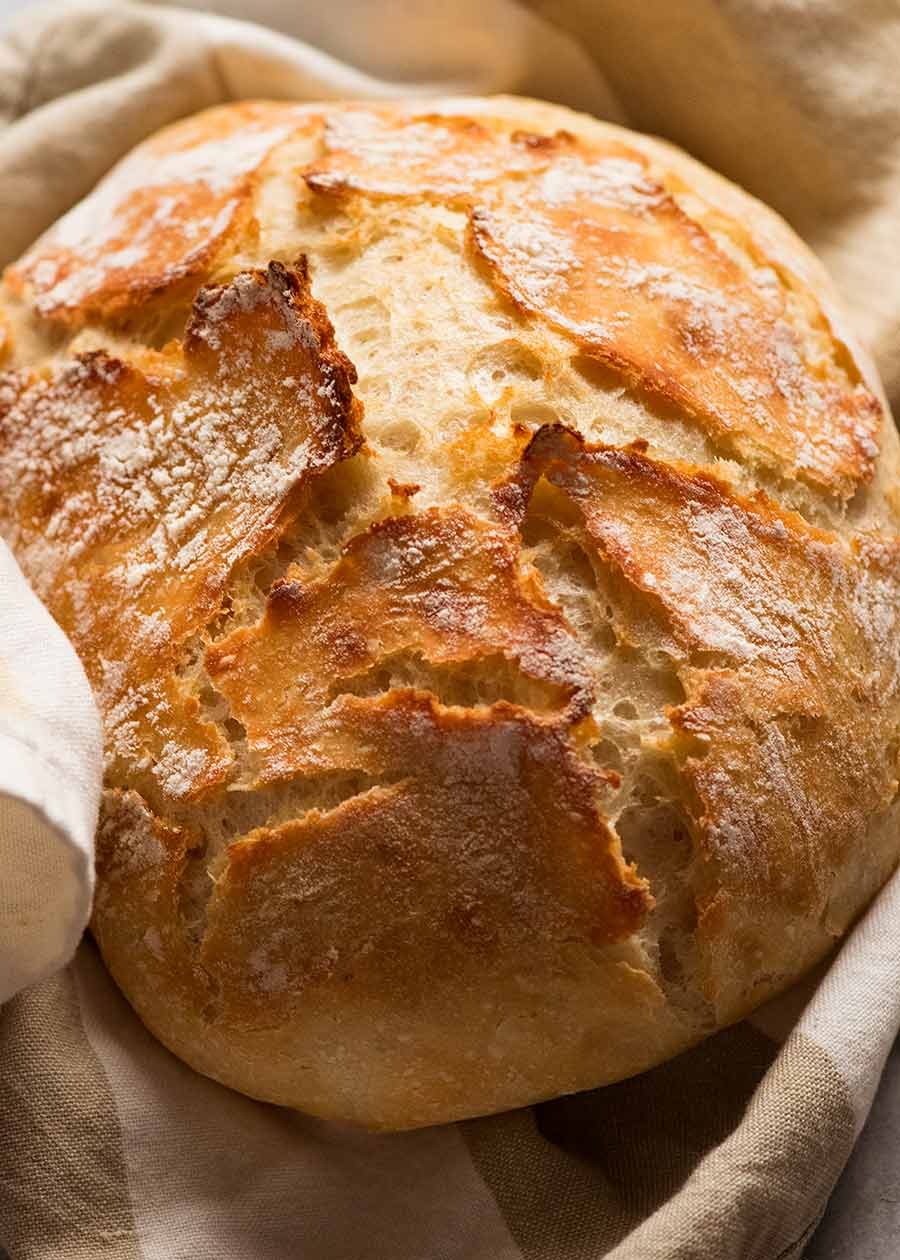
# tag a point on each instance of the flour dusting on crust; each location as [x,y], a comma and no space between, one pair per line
[158,217]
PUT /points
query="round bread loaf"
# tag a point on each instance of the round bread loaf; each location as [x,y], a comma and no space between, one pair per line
[481,533]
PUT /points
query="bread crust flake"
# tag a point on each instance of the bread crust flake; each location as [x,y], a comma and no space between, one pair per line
[598,247]
[161,218]
[132,492]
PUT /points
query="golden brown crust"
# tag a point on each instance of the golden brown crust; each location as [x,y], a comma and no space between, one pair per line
[387,153]
[132,492]
[491,839]
[161,217]
[441,586]
[597,247]
[141,861]
[586,238]
[786,643]
[503,739]
[504,930]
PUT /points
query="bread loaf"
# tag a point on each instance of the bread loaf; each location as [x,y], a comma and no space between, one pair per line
[481,532]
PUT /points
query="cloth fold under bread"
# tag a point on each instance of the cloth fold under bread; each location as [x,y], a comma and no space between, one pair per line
[729,1151]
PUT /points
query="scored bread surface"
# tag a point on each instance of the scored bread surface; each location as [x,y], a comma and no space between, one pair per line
[481,534]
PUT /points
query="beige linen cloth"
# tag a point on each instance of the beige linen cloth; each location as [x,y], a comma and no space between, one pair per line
[111,1148]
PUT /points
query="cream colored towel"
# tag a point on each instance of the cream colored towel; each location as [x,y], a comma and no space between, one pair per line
[49,789]
[111,1148]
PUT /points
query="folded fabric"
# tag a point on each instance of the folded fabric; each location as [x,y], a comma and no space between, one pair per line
[112,1148]
[49,788]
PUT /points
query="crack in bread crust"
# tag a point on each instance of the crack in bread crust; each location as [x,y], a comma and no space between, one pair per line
[505,737]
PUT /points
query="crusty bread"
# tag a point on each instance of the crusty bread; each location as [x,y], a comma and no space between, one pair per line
[481,534]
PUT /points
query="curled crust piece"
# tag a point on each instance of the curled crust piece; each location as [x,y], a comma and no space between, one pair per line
[586,238]
[161,217]
[440,593]
[599,249]
[383,153]
[132,489]
[785,641]
[489,836]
